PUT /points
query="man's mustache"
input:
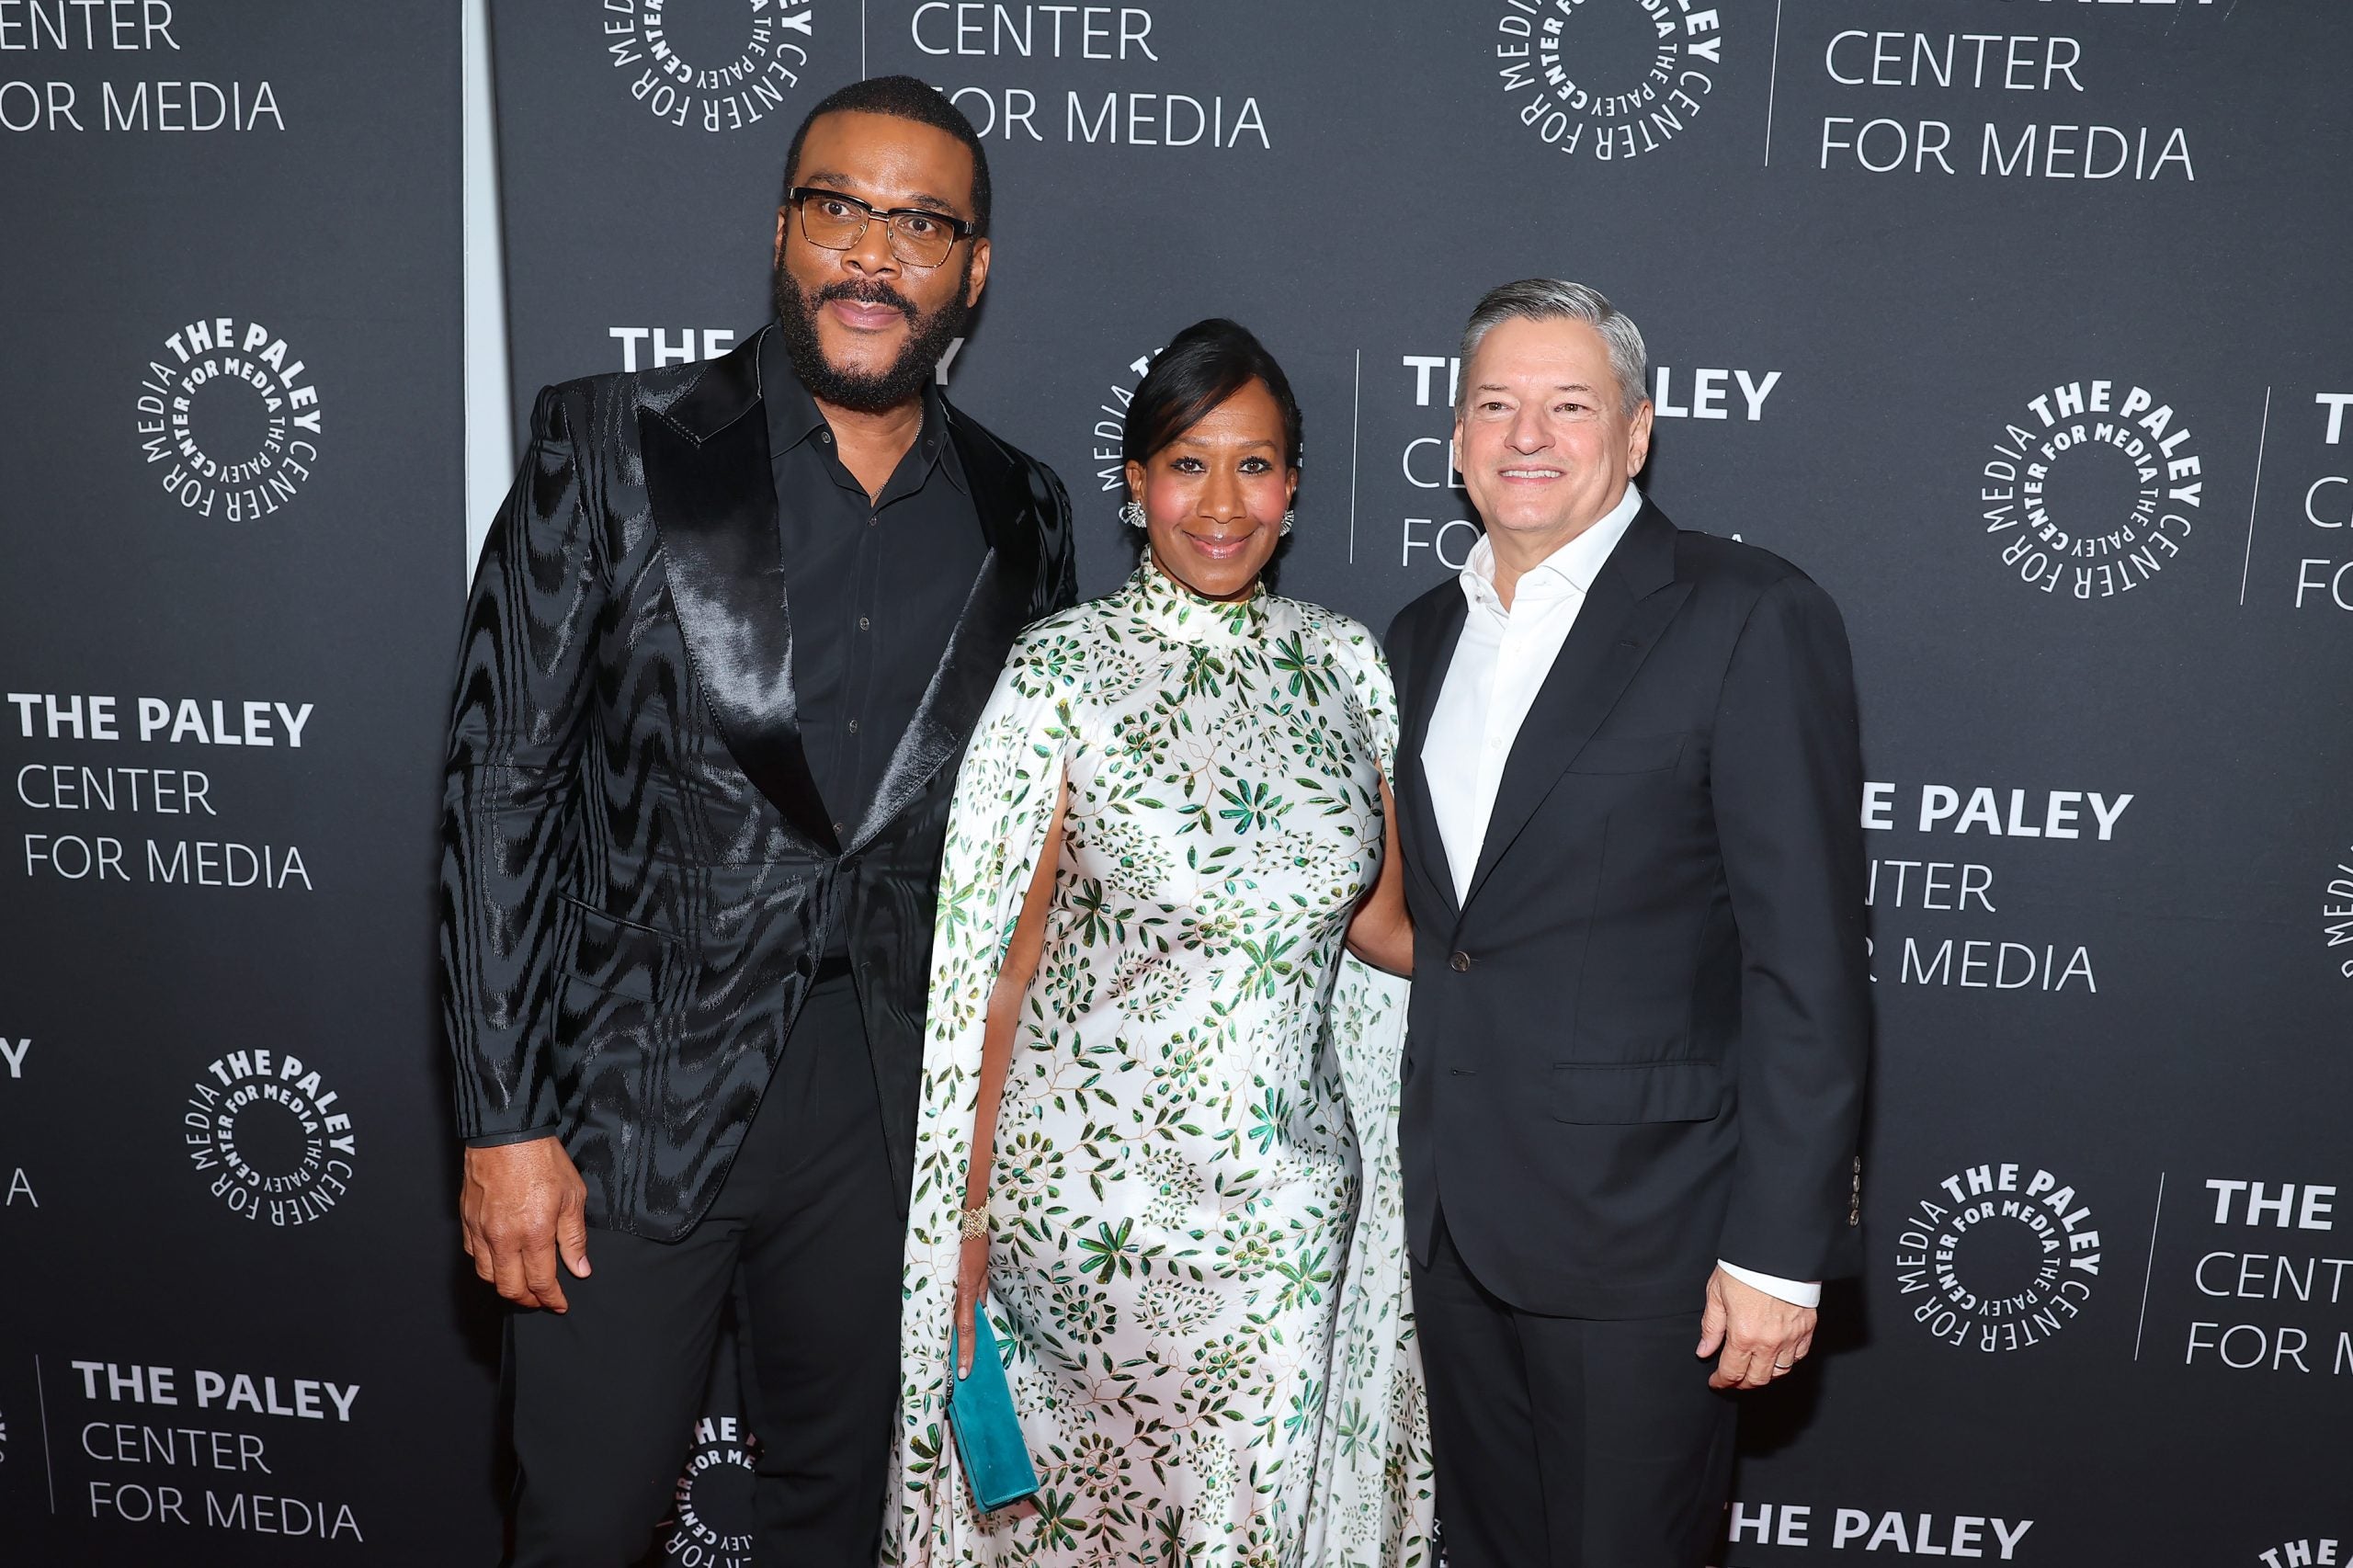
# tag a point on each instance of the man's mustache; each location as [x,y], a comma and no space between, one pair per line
[869,293]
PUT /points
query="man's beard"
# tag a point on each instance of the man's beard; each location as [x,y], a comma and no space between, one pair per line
[905,377]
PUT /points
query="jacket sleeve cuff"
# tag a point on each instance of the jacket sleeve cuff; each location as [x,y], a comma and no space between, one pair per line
[495,1140]
[1797,1292]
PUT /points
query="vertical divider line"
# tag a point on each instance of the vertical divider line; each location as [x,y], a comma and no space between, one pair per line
[2247,564]
[1772,81]
[2149,1273]
[47,1466]
[1356,408]
[486,385]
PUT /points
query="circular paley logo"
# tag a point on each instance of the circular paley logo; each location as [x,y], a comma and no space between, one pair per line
[2336,915]
[271,1140]
[709,64]
[2092,491]
[1110,428]
[1609,79]
[1997,1259]
[712,1521]
[2322,1551]
[228,419]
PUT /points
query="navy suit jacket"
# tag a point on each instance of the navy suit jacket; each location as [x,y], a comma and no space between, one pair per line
[1638,1046]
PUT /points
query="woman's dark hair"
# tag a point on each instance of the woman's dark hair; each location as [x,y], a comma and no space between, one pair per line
[1202,366]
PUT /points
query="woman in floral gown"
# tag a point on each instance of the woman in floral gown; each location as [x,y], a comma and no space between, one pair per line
[1163,1051]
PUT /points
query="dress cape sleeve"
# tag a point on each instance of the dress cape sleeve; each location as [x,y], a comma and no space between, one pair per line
[1004,804]
[1374,1465]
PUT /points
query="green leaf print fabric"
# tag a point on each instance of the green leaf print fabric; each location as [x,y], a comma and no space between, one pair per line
[1198,1265]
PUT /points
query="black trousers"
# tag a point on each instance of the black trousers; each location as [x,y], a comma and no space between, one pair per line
[1567,1442]
[807,1238]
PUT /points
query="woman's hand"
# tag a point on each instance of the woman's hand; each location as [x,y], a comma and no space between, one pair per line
[1381,933]
[971,1284]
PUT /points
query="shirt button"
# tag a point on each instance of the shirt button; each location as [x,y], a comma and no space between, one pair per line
[826,436]
[853,726]
[837,830]
[871,521]
[864,624]
[1460,963]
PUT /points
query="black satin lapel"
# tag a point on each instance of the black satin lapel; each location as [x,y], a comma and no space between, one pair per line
[1008,592]
[993,614]
[1432,655]
[714,504]
[1613,635]
[1011,511]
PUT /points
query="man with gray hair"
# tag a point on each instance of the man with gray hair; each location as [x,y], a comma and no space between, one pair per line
[1641,1012]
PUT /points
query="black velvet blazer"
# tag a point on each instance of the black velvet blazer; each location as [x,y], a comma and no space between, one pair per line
[637,876]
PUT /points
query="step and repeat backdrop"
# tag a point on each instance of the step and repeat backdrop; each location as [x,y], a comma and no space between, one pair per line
[2021,325]
[231,451]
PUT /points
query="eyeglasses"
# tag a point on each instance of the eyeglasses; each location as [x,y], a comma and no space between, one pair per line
[917,236]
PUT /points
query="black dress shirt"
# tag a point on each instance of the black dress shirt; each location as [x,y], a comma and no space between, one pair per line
[874,587]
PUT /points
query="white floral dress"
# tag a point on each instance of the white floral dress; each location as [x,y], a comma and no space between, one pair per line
[1198,1270]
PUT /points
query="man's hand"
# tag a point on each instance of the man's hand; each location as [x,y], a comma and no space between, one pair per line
[522,1205]
[1761,1336]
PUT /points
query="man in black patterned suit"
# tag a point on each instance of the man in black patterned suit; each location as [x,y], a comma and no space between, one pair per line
[726,643]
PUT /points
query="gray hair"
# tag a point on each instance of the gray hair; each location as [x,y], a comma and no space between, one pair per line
[1554,299]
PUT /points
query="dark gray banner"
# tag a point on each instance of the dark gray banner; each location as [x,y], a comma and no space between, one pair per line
[2019,326]
[230,1330]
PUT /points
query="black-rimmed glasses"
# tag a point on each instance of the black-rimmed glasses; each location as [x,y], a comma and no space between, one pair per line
[917,235]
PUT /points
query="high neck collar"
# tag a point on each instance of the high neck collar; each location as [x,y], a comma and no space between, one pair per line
[1182,616]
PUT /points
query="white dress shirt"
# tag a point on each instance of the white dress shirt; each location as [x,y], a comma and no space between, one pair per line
[1500,662]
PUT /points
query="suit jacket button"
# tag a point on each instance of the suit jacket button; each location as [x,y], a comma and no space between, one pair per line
[1460,963]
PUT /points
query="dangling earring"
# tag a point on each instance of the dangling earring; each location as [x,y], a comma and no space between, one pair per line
[1289,517]
[1133,514]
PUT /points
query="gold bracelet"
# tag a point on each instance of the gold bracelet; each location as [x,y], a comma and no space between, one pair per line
[973,1223]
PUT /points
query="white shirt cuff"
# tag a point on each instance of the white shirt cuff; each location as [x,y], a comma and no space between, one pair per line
[1797,1292]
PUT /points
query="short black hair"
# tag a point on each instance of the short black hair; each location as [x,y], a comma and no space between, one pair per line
[1202,366]
[902,97]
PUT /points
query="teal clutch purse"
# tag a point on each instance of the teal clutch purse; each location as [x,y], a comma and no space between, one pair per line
[988,1435]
